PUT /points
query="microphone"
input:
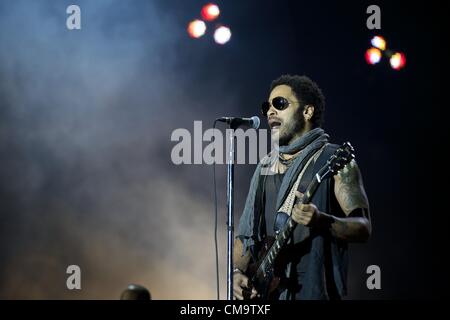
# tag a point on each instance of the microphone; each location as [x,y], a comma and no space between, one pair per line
[235,122]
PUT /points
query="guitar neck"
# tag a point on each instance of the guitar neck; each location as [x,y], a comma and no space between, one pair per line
[288,228]
[312,188]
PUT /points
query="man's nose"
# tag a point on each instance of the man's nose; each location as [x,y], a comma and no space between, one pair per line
[271,111]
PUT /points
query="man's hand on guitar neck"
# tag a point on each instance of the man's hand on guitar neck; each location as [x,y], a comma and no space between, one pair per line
[241,285]
[309,215]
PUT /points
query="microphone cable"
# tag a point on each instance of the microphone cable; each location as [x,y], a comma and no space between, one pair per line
[215,221]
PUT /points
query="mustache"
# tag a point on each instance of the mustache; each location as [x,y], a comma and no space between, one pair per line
[273,118]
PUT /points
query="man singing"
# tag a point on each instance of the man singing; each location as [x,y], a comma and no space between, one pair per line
[314,262]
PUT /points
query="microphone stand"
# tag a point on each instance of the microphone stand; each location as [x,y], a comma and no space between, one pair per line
[230,209]
[233,124]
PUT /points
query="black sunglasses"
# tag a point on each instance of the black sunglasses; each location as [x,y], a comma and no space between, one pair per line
[279,103]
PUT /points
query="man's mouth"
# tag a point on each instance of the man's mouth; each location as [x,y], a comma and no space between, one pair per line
[274,124]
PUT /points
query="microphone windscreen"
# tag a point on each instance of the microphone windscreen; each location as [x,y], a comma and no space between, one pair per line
[256,122]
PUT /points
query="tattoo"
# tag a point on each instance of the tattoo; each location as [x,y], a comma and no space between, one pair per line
[349,189]
[339,229]
[354,228]
[351,229]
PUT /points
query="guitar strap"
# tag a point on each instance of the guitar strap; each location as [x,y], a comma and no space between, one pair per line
[303,232]
[301,183]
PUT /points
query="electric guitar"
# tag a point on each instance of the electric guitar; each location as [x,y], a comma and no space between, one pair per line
[263,274]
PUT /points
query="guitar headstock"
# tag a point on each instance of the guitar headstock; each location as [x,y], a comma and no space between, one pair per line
[342,156]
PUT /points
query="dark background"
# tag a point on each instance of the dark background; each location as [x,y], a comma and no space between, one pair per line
[86,117]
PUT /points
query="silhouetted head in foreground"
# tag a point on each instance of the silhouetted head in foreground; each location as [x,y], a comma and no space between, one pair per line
[135,292]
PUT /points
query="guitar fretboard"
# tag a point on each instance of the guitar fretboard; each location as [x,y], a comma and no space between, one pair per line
[282,237]
[278,244]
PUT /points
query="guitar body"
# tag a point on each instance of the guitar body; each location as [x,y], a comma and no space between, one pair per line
[266,283]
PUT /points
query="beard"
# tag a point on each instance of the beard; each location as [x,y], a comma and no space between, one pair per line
[291,128]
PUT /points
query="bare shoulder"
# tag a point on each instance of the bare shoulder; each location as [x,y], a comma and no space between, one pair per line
[349,188]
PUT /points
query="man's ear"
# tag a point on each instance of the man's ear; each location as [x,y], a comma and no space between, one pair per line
[308,112]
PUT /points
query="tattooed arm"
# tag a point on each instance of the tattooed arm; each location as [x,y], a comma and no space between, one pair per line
[350,193]
[351,196]
[353,228]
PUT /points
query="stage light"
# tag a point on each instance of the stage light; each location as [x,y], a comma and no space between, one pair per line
[210,12]
[222,35]
[373,56]
[196,28]
[398,61]
[378,42]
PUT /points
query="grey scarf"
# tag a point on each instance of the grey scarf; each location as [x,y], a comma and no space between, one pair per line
[309,143]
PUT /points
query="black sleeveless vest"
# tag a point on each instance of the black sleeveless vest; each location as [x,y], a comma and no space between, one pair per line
[318,262]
